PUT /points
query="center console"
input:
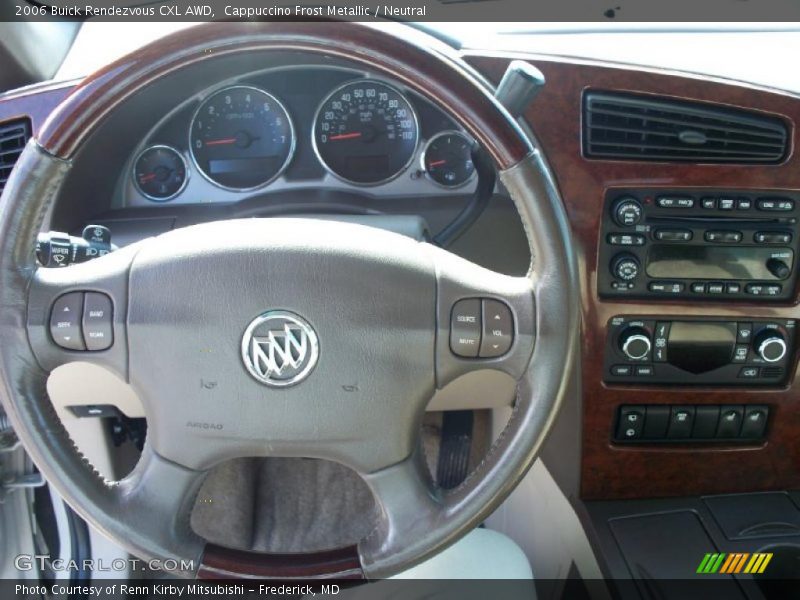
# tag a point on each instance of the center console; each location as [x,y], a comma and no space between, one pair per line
[703,244]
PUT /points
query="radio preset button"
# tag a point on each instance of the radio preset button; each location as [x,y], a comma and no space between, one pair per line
[626,239]
[627,212]
[674,235]
[675,202]
[732,288]
[772,237]
[725,237]
[760,289]
[716,288]
[744,204]
[666,287]
[709,203]
[726,203]
[699,287]
[775,204]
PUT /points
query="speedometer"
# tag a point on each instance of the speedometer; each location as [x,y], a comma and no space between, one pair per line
[242,138]
[366,132]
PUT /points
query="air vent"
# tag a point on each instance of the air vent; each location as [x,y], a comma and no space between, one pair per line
[772,372]
[619,126]
[13,137]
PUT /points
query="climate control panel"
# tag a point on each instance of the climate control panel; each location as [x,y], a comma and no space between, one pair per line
[698,351]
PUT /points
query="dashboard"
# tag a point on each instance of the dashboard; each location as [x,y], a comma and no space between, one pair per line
[161,129]
[295,128]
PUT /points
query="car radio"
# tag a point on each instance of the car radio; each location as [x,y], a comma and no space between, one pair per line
[698,351]
[701,244]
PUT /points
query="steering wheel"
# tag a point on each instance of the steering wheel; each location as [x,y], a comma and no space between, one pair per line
[284,315]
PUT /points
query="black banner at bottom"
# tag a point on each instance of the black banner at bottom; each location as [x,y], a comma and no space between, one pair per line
[717,587]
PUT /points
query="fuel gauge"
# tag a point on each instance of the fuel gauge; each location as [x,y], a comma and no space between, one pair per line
[447,159]
[159,173]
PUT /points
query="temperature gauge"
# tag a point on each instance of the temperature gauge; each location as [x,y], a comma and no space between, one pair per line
[447,159]
[160,173]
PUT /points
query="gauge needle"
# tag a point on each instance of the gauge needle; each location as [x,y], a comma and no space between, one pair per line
[222,142]
[148,177]
[346,136]
[437,163]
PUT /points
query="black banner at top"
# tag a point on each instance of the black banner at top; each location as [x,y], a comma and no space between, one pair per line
[711,11]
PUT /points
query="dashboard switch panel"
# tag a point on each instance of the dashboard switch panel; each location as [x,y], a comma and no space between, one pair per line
[698,351]
[686,423]
[707,245]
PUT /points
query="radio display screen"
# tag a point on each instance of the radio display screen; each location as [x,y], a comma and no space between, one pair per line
[714,262]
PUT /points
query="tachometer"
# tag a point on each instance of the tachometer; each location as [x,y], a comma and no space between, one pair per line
[242,138]
[366,132]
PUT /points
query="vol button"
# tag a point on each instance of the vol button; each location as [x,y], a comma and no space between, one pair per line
[498,329]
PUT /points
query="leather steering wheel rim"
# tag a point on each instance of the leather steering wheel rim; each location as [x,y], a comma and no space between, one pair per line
[416,521]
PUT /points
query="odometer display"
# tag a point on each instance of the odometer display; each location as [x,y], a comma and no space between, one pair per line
[366,132]
[242,138]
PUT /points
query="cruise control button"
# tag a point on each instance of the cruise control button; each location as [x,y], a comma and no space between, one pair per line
[498,329]
[465,328]
[65,321]
[98,317]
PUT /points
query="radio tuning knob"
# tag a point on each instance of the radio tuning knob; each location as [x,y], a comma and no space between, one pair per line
[625,267]
[778,268]
[770,346]
[627,212]
[635,343]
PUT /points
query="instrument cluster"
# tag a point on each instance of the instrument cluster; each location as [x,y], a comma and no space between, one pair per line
[283,129]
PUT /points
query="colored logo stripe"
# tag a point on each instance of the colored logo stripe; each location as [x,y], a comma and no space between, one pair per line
[720,562]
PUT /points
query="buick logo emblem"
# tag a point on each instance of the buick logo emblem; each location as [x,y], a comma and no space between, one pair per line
[279,348]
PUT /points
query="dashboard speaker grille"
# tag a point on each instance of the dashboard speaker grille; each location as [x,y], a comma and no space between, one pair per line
[13,137]
[628,127]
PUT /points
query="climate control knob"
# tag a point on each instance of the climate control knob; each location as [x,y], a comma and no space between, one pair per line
[626,212]
[635,343]
[625,267]
[770,346]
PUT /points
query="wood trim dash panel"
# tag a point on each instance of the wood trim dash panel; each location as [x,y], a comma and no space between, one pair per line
[610,471]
